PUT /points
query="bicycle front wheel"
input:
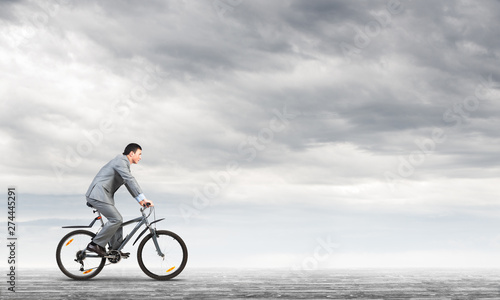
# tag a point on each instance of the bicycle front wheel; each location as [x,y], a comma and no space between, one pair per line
[174,255]
[72,258]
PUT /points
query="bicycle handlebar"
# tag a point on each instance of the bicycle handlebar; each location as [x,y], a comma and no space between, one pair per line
[143,208]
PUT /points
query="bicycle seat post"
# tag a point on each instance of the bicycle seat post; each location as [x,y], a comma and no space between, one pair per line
[99,217]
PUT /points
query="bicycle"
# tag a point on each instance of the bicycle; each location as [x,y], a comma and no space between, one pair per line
[162,254]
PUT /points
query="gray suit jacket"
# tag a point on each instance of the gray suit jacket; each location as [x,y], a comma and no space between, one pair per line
[110,178]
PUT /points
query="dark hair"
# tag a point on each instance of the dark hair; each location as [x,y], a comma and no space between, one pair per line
[131,147]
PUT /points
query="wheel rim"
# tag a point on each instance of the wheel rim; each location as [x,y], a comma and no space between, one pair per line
[164,267]
[68,250]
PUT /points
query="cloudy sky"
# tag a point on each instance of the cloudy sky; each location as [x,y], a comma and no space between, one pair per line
[291,134]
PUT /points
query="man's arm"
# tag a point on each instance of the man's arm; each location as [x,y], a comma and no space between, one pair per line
[132,185]
[130,182]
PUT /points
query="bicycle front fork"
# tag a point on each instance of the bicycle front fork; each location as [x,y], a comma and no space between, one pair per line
[155,241]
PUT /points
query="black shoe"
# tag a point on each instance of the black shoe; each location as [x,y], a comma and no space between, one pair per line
[97,249]
[122,254]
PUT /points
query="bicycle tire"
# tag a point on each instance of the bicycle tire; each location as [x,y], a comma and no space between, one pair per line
[67,250]
[174,249]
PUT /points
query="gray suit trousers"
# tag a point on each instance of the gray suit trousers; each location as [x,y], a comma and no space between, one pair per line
[111,233]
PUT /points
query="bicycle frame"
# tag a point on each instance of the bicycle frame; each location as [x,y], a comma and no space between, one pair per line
[140,221]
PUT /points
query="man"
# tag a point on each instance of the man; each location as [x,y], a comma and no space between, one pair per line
[101,196]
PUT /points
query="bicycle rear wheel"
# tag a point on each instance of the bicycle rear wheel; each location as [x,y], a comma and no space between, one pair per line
[71,253]
[174,260]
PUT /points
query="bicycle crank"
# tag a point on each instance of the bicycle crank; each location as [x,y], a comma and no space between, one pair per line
[114,256]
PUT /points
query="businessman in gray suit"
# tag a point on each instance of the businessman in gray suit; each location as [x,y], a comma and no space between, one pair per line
[100,195]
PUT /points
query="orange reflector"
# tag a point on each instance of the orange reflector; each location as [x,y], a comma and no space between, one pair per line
[170,269]
[69,242]
[88,271]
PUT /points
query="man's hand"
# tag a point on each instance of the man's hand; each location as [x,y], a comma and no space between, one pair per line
[146,203]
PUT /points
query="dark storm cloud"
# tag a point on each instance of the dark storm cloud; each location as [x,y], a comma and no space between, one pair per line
[188,39]
[230,73]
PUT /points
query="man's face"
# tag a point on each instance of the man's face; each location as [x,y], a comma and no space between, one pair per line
[136,157]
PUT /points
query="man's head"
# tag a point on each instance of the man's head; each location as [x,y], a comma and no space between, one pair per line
[133,152]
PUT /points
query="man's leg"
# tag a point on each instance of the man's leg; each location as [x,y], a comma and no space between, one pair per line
[112,231]
[117,238]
